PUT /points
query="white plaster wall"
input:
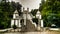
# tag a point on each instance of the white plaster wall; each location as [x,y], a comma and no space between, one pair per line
[13,16]
[42,23]
[17,15]
[24,21]
[40,17]
[12,23]
[19,23]
[29,16]
[24,16]
[16,22]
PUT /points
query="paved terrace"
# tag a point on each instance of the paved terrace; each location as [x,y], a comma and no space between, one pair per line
[52,32]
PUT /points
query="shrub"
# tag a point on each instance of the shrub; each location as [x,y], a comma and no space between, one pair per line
[14,26]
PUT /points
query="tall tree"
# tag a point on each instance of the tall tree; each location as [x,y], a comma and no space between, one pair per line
[34,12]
[49,8]
[6,13]
[16,6]
[41,5]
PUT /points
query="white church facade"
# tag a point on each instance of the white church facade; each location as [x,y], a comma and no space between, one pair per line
[16,19]
[27,19]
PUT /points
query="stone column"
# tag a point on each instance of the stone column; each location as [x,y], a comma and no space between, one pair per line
[19,23]
[42,23]
[12,23]
[24,21]
[38,23]
[16,23]
[27,9]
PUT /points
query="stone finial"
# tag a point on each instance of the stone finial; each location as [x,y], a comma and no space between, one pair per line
[28,9]
[23,8]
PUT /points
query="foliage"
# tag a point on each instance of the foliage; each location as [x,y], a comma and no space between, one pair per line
[41,5]
[35,20]
[51,12]
[14,26]
[34,12]
[17,6]
[6,13]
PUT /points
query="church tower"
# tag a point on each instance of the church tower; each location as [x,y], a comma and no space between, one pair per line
[16,19]
[15,15]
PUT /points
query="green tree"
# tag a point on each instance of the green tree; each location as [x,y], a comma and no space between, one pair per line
[50,7]
[33,12]
[41,5]
[6,13]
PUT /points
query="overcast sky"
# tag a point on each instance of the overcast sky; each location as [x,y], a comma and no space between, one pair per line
[32,4]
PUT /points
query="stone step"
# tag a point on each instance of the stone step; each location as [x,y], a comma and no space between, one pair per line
[30,26]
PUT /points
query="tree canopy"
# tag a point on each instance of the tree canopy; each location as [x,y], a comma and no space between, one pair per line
[6,13]
[51,12]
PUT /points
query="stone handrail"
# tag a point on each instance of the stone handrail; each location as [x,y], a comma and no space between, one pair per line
[32,16]
[3,30]
[33,23]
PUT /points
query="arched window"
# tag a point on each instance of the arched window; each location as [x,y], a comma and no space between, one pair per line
[22,21]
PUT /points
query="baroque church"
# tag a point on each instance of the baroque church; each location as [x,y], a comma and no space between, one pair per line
[24,21]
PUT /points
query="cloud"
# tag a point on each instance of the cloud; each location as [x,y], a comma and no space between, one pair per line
[32,4]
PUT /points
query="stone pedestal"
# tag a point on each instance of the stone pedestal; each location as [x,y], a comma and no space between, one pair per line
[38,28]
[30,26]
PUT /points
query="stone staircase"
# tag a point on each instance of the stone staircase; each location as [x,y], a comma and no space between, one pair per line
[30,26]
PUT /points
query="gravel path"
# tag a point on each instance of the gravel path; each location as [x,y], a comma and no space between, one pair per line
[33,33]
